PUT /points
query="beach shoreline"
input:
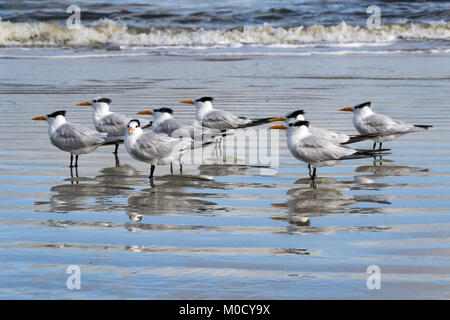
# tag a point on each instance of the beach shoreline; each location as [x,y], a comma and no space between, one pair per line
[240,234]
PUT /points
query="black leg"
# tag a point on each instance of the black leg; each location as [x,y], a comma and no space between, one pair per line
[309,169]
[374,145]
[171,168]
[76,174]
[313,179]
[71,160]
[152,170]
[116,159]
[181,168]
[380,145]
[71,175]
[116,149]
[76,161]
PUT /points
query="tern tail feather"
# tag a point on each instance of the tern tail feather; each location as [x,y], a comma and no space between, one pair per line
[256,122]
[423,126]
[359,138]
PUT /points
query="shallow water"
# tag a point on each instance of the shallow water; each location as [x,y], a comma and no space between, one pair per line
[223,28]
[226,230]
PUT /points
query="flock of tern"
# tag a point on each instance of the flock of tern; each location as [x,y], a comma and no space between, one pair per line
[167,138]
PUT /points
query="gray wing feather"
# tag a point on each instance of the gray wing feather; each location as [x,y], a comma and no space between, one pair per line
[378,123]
[314,148]
[223,119]
[155,145]
[71,136]
[175,128]
[114,124]
[335,137]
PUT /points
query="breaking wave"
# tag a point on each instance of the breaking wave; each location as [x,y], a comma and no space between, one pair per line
[109,33]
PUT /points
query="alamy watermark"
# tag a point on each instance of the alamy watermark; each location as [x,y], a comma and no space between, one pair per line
[74,20]
[74,280]
[258,147]
[373,21]
[374,278]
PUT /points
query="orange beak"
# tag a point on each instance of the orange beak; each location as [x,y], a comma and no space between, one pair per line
[280,126]
[278,218]
[131,130]
[347,109]
[40,118]
[40,203]
[277,119]
[279,205]
[87,103]
[187,101]
[145,112]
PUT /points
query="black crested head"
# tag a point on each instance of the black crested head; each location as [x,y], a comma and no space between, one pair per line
[299,123]
[294,114]
[362,105]
[204,99]
[57,113]
[138,123]
[105,100]
[163,109]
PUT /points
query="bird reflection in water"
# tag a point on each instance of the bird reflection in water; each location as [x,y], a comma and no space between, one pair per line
[106,193]
[304,203]
[72,178]
[380,169]
[99,194]
[168,198]
[326,200]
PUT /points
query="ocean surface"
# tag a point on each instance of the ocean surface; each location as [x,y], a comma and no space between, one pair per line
[225,27]
[230,227]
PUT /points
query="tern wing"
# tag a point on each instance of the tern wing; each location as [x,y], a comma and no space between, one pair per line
[381,124]
[315,148]
[219,119]
[175,128]
[157,146]
[114,124]
[71,136]
[335,137]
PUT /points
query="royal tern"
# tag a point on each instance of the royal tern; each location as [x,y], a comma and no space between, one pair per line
[72,138]
[164,122]
[112,123]
[335,137]
[315,150]
[368,122]
[222,120]
[153,148]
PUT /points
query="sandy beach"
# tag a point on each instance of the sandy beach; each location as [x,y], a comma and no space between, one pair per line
[225,231]
[241,222]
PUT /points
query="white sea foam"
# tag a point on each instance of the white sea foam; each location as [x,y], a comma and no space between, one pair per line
[112,33]
[229,54]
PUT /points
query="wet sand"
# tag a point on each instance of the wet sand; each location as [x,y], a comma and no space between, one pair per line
[232,232]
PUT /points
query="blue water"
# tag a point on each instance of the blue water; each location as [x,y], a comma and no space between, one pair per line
[229,13]
[224,28]
[232,233]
